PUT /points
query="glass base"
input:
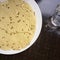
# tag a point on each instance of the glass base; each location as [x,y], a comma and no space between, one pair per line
[51,28]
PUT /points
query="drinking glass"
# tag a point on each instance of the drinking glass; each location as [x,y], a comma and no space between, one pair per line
[54,21]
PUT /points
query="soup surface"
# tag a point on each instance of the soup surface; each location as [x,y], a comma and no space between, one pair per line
[17,24]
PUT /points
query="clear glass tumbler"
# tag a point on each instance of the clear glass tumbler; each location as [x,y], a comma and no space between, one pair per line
[54,21]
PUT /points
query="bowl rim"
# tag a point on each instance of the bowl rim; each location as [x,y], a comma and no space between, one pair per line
[11,52]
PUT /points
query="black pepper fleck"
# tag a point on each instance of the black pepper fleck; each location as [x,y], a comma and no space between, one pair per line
[26,10]
[31,28]
[27,36]
[29,33]
[22,15]
[13,43]
[14,33]
[0,46]
[12,27]
[26,24]
[18,21]
[10,22]
[8,7]
[0,20]
[3,37]
[18,13]
[17,16]
[28,29]
[30,10]
[23,21]
[10,18]
[7,24]
[6,31]
[24,33]
[7,45]
[22,30]
[17,5]
[3,17]
[2,4]
[17,32]
[34,13]
[10,33]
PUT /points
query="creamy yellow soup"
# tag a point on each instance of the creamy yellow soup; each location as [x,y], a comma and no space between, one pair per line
[17,24]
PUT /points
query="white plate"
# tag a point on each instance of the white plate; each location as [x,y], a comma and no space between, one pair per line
[36,8]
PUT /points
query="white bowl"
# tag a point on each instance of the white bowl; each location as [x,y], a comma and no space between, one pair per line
[36,8]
